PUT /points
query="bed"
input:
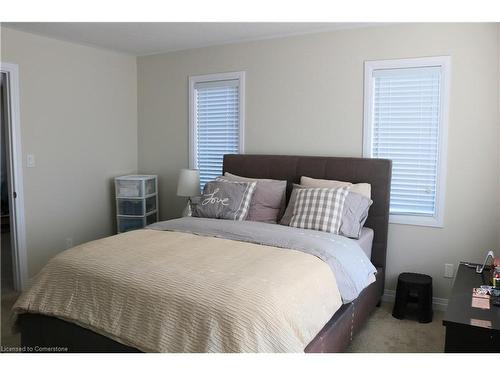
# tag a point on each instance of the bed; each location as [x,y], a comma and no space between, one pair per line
[46,331]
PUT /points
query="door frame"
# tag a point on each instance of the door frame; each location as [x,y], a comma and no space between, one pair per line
[15,173]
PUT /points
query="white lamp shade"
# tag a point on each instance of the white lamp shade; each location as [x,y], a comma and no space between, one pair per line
[189,183]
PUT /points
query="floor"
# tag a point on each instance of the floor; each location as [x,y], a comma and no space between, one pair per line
[382,333]
[6,260]
[8,339]
[8,295]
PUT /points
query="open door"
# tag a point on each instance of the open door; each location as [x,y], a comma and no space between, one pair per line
[12,184]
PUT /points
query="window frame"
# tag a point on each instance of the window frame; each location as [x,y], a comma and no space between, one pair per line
[437,220]
[193,129]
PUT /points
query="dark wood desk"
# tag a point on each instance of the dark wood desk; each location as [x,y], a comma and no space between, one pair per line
[470,329]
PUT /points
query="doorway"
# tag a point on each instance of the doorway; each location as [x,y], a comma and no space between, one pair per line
[12,185]
[8,293]
[7,266]
[13,265]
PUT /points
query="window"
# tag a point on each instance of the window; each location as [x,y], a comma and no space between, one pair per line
[406,105]
[216,111]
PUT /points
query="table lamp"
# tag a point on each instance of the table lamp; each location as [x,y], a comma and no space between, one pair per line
[188,186]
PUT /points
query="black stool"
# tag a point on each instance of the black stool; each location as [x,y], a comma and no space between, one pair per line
[416,288]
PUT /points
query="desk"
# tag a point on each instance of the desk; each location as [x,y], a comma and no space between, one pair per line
[470,329]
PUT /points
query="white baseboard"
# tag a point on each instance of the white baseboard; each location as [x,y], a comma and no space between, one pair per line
[439,304]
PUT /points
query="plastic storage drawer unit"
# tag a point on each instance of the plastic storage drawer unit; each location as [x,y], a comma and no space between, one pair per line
[136,201]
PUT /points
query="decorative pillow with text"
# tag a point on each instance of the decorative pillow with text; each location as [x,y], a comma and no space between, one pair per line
[224,200]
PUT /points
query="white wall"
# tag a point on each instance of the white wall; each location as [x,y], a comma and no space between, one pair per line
[305,96]
[79,118]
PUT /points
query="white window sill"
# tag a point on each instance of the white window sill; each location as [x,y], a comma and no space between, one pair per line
[425,221]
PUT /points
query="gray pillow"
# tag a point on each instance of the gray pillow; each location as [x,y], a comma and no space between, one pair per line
[268,201]
[287,216]
[224,200]
[354,213]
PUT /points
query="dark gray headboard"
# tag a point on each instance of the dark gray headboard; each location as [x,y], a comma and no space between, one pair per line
[376,172]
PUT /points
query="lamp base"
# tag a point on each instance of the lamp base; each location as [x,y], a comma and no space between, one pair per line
[187,210]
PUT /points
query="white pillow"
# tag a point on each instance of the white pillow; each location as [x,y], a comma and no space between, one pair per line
[361,188]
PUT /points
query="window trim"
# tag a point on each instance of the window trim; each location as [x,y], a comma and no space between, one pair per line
[193,80]
[445,63]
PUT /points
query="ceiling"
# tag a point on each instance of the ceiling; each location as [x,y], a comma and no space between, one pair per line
[142,38]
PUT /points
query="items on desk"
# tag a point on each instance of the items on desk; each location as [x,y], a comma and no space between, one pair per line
[496,277]
[488,293]
[480,298]
[487,289]
[489,254]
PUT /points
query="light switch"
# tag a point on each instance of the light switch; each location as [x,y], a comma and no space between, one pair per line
[30,161]
[449,271]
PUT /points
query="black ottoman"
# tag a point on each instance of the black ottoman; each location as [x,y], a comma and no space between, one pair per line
[414,288]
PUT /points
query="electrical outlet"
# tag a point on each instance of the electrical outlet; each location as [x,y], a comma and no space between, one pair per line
[449,270]
[69,243]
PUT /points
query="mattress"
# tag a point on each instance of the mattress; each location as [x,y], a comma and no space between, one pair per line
[365,241]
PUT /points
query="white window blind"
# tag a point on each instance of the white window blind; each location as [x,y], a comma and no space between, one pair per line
[217,125]
[405,126]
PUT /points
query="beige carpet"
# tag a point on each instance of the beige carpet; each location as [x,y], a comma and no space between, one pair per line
[383,333]
[7,338]
[8,295]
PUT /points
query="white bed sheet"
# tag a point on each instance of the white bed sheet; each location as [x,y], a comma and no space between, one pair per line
[365,241]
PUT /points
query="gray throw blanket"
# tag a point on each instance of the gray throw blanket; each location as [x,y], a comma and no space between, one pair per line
[350,265]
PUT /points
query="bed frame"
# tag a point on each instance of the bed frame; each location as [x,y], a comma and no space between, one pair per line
[336,335]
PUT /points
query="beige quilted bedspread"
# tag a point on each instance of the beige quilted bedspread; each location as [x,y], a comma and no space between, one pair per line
[178,292]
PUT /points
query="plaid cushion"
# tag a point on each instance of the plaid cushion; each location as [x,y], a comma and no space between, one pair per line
[319,209]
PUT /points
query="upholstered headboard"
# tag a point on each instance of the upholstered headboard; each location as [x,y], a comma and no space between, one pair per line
[376,172]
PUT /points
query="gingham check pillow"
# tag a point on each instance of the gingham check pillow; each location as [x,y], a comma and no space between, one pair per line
[319,209]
